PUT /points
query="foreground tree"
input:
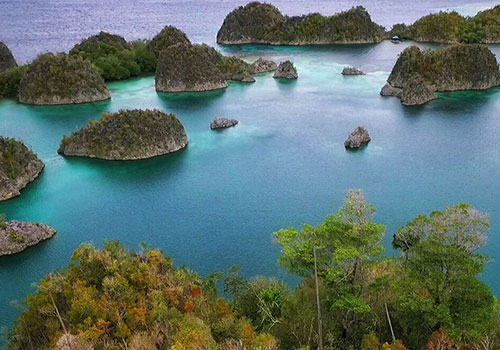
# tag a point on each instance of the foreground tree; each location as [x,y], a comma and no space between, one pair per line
[439,287]
[341,248]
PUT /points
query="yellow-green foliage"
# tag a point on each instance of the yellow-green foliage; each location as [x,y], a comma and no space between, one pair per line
[440,27]
[14,157]
[112,298]
[114,58]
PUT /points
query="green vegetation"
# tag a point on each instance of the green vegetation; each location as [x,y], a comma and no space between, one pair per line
[263,23]
[350,297]
[114,58]
[14,158]
[451,27]
[10,80]
[61,79]
[115,299]
[167,37]
[127,134]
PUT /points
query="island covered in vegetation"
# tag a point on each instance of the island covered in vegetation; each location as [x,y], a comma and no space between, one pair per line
[18,167]
[351,296]
[61,79]
[451,27]
[418,73]
[127,135]
[261,23]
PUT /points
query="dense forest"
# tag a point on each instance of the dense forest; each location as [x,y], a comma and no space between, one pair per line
[351,295]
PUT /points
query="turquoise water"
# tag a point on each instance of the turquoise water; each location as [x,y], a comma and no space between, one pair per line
[217,203]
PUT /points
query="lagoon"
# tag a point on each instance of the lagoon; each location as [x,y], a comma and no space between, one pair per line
[217,203]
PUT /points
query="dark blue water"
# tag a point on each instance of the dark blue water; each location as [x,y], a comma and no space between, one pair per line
[217,203]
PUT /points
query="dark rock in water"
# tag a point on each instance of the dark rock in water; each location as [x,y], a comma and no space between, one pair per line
[389,90]
[127,135]
[168,36]
[416,92]
[286,70]
[6,58]
[453,68]
[16,236]
[186,67]
[352,71]
[260,23]
[357,138]
[61,79]
[219,123]
[263,66]
[18,167]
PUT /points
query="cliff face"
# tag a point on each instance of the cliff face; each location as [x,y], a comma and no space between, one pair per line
[6,58]
[16,236]
[459,67]
[185,67]
[61,79]
[127,135]
[18,167]
[263,23]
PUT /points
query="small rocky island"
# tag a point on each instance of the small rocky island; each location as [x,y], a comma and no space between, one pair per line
[18,167]
[352,71]
[286,70]
[260,23]
[7,60]
[221,123]
[418,74]
[186,67]
[61,79]
[127,135]
[359,137]
[16,236]
[263,66]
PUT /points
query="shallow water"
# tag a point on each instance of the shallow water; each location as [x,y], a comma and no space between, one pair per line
[217,203]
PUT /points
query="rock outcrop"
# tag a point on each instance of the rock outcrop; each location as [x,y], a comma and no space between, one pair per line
[61,79]
[286,70]
[418,74]
[18,167]
[7,60]
[263,66]
[352,71]
[259,23]
[167,37]
[127,135]
[186,67]
[357,138]
[219,123]
[16,236]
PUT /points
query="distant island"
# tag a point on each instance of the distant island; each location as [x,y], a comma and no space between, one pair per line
[127,135]
[261,23]
[16,236]
[18,167]
[418,73]
[61,79]
[451,27]
[6,58]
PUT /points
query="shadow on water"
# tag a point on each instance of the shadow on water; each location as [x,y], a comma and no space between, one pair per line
[131,171]
[458,103]
[191,100]
[67,113]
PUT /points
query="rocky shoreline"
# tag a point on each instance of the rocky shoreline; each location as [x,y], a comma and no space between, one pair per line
[418,74]
[19,166]
[17,236]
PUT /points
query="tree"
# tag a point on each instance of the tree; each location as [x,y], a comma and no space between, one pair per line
[340,247]
[439,285]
